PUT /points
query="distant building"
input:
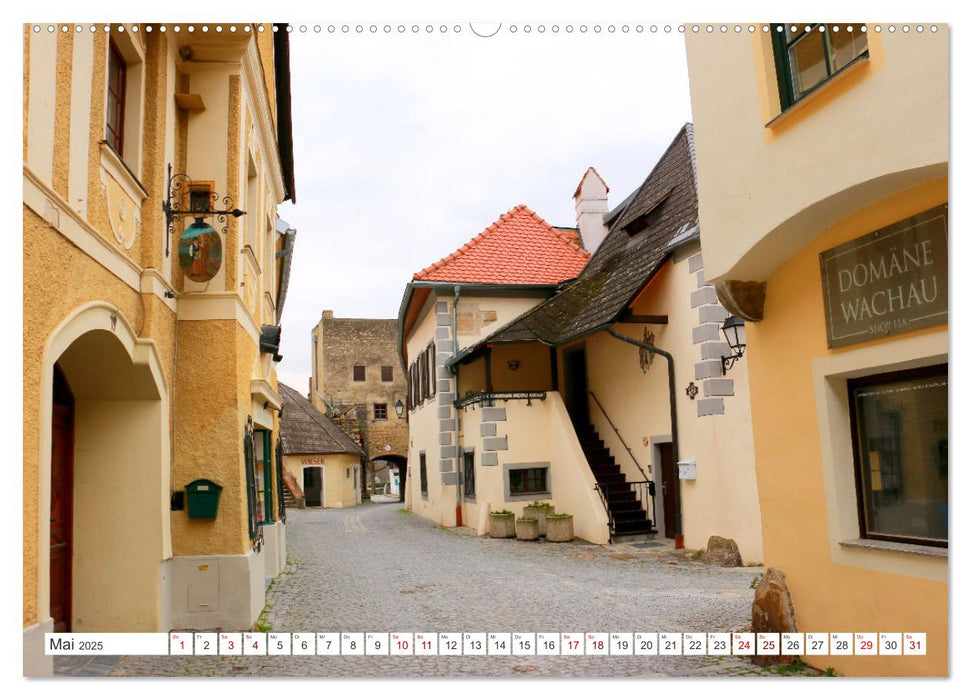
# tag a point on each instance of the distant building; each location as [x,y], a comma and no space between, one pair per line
[357,380]
[321,464]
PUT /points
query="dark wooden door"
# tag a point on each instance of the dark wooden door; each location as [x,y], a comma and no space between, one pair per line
[670,489]
[576,387]
[312,482]
[62,504]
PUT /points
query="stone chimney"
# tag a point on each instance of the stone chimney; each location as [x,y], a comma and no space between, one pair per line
[590,199]
[327,314]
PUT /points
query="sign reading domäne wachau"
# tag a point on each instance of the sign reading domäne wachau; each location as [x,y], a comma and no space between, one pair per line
[887,282]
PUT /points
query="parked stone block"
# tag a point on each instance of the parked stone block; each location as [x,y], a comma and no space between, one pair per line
[715,350]
[495,443]
[487,429]
[445,426]
[706,332]
[492,415]
[708,368]
[722,551]
[711,314]
[695,263]
[446,465]
[444,412]
[772,611]
[449,452]
[450,478]
[489,459]
[719,387]
[443,320]
[444,385]
[446,399]
[445,438]
[441,307]
[443,333]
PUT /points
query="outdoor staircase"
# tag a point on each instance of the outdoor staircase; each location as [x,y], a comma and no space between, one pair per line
[293,496]
[627,514]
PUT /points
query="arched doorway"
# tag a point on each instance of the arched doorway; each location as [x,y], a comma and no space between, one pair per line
[397,469]
[107,479]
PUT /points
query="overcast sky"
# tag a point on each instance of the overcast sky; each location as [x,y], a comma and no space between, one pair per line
[408,146]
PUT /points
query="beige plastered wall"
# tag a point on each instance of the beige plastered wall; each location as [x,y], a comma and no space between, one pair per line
[339,485]
[879,128]
[804,460]
[723,499]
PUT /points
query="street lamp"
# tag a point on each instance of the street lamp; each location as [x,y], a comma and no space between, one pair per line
[399,408]
[733,328]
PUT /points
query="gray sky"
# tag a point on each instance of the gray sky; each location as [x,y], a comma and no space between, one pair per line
[408,146]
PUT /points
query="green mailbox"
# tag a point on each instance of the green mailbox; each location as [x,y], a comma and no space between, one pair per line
[203,498]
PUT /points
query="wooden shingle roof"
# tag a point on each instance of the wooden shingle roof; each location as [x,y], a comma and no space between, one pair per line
[306,431]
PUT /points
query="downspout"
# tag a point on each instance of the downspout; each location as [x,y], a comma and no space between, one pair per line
[679,535]
[455,372]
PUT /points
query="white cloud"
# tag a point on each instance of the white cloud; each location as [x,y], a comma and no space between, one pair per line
[407,146]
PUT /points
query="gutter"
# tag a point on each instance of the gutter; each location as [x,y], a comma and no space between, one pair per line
[455,373]
[678,535]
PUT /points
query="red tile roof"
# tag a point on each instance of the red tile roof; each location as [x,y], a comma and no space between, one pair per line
[519,248]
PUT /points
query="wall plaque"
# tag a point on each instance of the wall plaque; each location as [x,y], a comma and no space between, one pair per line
[887,282]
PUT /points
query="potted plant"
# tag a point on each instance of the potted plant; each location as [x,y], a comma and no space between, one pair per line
[502,524]
[538,510]
[527,529]
[559,527]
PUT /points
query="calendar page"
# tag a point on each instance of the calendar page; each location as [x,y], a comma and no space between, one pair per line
[569,341]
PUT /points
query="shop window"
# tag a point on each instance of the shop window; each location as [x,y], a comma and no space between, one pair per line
[115,112]
[806,55]
[387,373]
[359,373]
[900,435]
[380,411]
[468,473]
[529,481]
[423,473]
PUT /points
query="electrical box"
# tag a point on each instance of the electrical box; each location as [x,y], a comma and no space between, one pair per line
[687,469]
[203,498]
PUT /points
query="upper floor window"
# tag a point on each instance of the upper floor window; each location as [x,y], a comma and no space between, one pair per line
[806,55]
[359,373]
[115,117]
[900,430]
[380,411]
[387,373]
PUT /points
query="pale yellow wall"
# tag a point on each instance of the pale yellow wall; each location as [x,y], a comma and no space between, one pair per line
[766,190]
[871,590]
[723,499]
[505,308]
[339,480]
[439,504]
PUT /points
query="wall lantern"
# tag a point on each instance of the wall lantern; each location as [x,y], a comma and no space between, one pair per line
[200,247]
[399,408]
[734,330]
[513,365]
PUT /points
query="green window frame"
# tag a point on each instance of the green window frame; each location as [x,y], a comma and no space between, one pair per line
[249,467]
[263,443]
[834,48]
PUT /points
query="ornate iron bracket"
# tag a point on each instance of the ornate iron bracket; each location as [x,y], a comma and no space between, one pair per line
[727,362]
[178,186]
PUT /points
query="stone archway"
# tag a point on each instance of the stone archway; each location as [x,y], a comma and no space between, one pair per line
[398,465]
[120,467]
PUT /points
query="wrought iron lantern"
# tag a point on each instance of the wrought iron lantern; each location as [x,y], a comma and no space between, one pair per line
[733,328]
[399,408]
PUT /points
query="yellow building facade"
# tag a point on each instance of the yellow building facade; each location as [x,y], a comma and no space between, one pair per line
[139,381]
[823,164]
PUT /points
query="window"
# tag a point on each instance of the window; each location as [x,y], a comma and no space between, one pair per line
[423,473]
[264,475]
[900,433]
[115,112]
[807,55]
[359,373]
[387,373]
[528,481]
[380,411]
[468,474]
[432,378]
[252,500]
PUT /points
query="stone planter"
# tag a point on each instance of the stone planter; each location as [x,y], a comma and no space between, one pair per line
[527,529]
[559,528]
[502,525]
[539,512]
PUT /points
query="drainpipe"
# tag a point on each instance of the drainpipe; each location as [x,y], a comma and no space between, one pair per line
[679,535]
[455,373]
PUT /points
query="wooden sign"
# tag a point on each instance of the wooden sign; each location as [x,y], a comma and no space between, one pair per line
[887,282]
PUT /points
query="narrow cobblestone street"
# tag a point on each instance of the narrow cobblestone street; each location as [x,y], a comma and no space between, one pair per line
[378,568]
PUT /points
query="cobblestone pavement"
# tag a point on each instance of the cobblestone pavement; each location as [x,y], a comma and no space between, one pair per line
[376,568]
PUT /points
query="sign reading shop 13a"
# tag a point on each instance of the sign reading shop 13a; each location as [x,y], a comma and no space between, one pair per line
[887,282]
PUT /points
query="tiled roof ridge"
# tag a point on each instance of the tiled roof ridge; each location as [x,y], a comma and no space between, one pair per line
[561,236]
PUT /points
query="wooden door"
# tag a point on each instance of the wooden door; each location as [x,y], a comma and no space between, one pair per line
[62,503]
[312,483]
[670,489]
